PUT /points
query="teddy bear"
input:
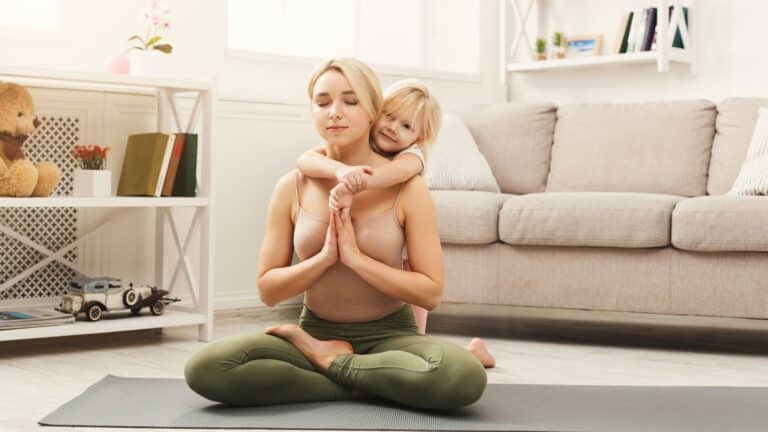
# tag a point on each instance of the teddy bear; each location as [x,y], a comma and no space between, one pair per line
[18,176]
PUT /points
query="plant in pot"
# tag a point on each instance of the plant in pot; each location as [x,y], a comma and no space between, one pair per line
[149,55]
[91,179]
[559,44]
[541,49]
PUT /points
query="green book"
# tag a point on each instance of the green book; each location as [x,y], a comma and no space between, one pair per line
[186,176]
[625,37]
[145,155]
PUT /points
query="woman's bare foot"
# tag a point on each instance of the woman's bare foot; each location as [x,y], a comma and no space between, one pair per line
[480,351]
[320,353]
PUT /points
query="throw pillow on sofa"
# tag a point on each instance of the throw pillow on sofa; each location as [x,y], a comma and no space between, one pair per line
[455,162]
[753,176]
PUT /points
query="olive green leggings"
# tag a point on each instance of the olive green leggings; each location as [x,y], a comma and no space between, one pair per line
[391,360]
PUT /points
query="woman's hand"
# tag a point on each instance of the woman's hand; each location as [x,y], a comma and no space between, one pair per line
[347,241]
[354,177]
[339,198]
[330,251]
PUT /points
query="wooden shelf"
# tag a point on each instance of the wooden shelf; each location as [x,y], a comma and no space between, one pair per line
[80,202]
[646,57]
[110,322]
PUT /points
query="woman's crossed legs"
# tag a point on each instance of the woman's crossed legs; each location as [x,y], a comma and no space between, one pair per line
[264,369]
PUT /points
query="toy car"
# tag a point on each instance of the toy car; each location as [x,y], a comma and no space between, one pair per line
[93,296]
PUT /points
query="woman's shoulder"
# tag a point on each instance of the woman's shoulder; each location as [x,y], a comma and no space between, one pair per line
[414,196]
[287,182]
[416,186]
[284,192]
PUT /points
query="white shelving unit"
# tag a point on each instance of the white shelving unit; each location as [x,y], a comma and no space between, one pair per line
[662,56]
[201,311]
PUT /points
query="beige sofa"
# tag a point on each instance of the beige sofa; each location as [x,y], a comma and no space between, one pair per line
[616,207]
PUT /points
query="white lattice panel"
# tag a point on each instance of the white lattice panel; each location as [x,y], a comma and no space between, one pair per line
[53,228]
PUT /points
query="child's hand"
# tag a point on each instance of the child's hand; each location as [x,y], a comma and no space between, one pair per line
[354,177]
[339,198]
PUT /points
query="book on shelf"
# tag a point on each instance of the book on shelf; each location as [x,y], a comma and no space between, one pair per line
[677,42]
[650,29]
[623,34]
[146,157]
[173,165]
[25,317]
[158,164]
[639,27]
[186,174]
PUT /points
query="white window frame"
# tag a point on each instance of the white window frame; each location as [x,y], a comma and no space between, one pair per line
[394,71]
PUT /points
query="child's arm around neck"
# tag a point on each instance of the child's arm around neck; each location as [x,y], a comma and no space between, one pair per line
[402,168]
[315,163]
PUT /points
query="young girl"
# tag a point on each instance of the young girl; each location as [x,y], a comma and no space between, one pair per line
[404,132]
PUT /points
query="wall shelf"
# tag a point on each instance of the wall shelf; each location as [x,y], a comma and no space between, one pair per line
[85,202]
[647,57]
[663,56]
[110,322]
[200,313]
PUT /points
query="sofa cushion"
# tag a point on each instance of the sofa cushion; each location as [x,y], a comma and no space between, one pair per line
[721,223]
[456,163]
[736,118]
[516,139]
[605,219]
[468,217]
[753,175]
[651,147]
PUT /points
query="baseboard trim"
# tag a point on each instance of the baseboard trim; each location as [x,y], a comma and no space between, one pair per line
[597,316]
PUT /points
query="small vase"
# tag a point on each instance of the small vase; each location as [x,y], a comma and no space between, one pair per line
[151,62]
[540,57]
[119,64]
[560,52]
[92,183]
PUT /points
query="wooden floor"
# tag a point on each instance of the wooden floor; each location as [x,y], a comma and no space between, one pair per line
[531,346]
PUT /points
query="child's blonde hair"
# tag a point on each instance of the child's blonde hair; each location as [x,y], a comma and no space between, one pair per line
[361,77]
[410,94]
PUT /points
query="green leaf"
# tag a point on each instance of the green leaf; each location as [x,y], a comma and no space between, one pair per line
[166,48]
[136,37]
[153,40]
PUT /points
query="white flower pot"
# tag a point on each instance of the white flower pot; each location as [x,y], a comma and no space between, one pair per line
[152,63]
[92,183]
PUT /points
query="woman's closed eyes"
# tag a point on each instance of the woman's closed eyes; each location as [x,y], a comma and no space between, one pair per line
[325,102]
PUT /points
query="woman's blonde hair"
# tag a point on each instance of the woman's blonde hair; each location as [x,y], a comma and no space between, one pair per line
[410,94]
[361,77]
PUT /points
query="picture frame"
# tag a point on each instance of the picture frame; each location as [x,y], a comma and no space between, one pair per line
[583,46]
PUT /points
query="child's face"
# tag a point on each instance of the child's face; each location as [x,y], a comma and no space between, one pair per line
[393,133]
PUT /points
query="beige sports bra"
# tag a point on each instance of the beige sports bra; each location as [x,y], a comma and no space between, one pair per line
[340,294]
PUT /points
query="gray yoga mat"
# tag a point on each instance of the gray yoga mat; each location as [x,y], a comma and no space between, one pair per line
[168,403]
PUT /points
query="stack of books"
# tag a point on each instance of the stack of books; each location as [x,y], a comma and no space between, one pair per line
[158,164]
[32,317]
[637,31]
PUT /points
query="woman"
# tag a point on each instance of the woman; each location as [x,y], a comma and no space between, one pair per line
[357,336]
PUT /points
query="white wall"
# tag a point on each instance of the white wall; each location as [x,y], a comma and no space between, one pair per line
[261,121]
[728,38]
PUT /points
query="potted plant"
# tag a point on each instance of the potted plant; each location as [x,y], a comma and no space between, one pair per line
[541,49]
[149,55]
[559,44]
[91,179]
